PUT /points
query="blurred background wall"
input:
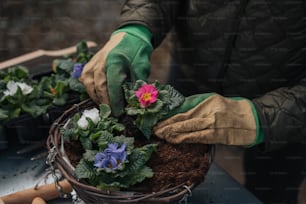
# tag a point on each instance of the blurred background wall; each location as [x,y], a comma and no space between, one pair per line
[53,24]
[28,25]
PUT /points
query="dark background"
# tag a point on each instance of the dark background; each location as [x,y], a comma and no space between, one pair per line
[28,25]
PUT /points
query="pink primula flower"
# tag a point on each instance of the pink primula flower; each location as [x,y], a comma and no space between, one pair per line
[147,94]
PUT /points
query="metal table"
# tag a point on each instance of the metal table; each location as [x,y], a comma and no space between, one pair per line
[18,172]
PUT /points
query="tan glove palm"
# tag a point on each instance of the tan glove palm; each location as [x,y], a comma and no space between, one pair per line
[215,120]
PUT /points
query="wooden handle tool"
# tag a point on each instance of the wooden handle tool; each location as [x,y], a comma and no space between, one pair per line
[45,192]
[38,200]
[40,53]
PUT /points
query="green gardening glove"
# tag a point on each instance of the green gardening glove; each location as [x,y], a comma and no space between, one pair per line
[126,56]
[212,119]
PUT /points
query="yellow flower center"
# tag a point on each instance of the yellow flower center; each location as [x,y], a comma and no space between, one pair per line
[146,96]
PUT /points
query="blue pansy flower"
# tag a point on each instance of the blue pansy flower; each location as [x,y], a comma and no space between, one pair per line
[77,70]
[111,158]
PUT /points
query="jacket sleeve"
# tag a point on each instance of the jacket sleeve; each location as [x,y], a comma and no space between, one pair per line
[157,15]
[282,114]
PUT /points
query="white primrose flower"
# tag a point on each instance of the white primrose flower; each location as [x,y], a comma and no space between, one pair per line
[93,114]
[12,87]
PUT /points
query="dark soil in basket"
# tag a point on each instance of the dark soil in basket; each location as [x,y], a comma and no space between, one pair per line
[172,164]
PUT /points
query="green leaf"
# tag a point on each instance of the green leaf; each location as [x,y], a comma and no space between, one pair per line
[96,135]
[85,170]
[138,84]
[129,141]
[103,185]
[146,124]
[105,138]
[3,114]
[175,97]
[18,98]
[135,111]
[60,101]
[68,133]
[34,110]
[84,133]
[14,113]
[84,96]
[146,151]
[76,117]
[82,47]
[105,110]
[89,155]
[86,143]
[64,66]
[117,127]
[43,102]
[76,85]
[137,159]
[156,107]
[141,175]
[17,73]
[91,125]
[61,88]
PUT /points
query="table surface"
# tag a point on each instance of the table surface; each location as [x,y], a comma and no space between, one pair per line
[18,172]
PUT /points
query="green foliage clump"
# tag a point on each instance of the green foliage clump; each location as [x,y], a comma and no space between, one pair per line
[95,137]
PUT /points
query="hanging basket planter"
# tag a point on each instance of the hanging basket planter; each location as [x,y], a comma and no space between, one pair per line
[176,169]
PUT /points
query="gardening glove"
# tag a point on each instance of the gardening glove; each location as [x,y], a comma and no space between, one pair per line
[125,56]
[212,119]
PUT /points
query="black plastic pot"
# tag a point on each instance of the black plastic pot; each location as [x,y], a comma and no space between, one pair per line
[27,129]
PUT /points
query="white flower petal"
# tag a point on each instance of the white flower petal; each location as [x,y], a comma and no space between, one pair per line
[26,89]
[93,114]
[11,88]
[83,123]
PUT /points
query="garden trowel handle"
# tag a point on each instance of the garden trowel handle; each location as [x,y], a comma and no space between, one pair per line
[40,53]
[46,192]
[38,200]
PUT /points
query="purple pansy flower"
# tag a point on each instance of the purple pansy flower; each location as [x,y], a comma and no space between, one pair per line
[77,70]
[111,158]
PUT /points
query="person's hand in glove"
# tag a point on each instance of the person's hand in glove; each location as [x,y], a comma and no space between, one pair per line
[125,56]
[212,119]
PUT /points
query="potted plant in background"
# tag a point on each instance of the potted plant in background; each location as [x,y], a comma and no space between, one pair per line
[30,103]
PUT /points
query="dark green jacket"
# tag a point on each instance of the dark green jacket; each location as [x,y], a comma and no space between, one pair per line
[249,48]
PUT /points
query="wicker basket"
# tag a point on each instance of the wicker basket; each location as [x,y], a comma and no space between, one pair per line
[90,194]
